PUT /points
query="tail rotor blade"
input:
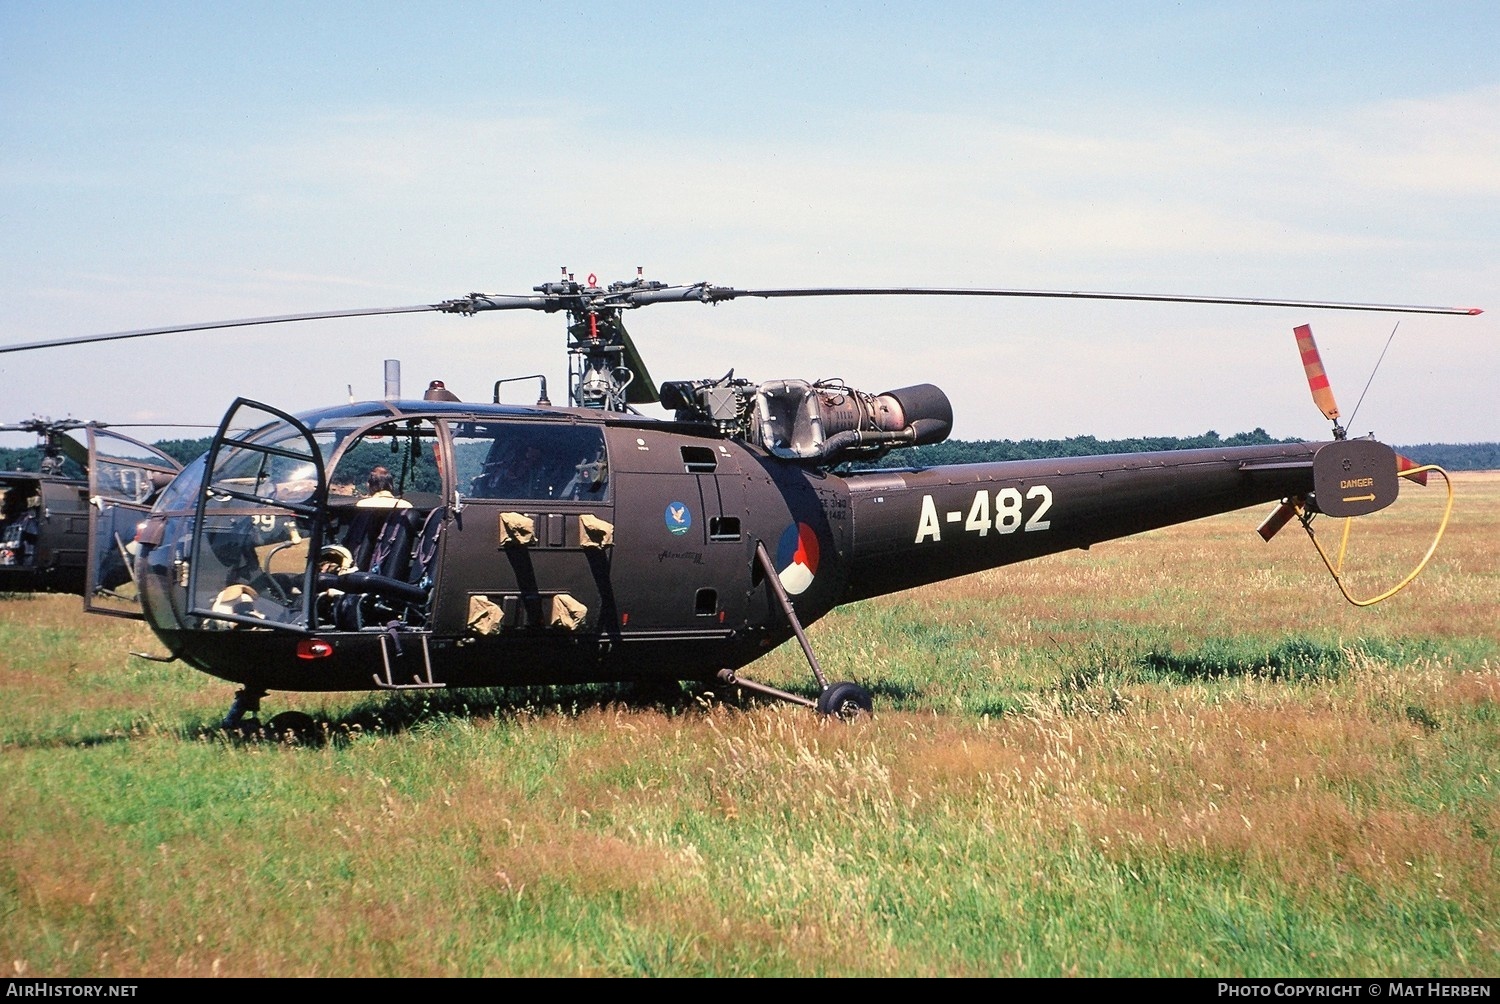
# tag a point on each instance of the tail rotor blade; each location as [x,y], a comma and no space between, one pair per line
[1280,517]
[1317,379]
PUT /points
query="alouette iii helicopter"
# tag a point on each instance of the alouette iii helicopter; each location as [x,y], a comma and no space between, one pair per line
[46,535]
[407,544]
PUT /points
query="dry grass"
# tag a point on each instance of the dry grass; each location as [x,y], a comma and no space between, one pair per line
[1049,787]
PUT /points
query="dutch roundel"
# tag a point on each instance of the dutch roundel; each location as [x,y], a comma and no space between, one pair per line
[797,557]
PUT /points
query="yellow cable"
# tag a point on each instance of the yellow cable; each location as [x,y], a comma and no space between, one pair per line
[1335,569]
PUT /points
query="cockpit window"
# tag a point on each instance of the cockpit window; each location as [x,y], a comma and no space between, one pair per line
[406,450]
[530,461]
[182,494]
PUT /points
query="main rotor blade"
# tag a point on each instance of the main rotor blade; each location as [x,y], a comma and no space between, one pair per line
[42,427]
[208,325]
[714,294]
[591,298]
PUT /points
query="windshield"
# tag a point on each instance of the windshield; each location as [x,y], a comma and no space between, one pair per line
[182,494]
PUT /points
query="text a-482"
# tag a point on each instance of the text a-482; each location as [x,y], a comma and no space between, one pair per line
[1006,511]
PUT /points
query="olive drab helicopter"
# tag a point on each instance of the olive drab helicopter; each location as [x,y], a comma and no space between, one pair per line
[437,543]
[48,542]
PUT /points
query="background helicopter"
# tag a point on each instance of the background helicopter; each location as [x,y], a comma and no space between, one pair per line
[44,513]
[504,544]
[46,535]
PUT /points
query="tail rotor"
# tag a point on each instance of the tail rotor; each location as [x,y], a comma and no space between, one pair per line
[1317,377]
[1361,466]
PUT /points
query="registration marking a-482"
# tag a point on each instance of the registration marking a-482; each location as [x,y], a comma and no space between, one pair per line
[1009,507]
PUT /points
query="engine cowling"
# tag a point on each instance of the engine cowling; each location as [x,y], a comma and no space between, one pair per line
[826,422]
[821,423]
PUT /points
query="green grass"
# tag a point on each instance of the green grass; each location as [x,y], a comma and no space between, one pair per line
[1242,778]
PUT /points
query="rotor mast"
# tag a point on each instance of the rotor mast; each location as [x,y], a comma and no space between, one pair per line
[50,436]
[600,371]
[605,371]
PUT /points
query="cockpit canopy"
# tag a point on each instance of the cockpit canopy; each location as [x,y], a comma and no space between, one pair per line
[287,523]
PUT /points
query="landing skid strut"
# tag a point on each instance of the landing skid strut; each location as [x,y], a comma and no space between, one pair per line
[843,699]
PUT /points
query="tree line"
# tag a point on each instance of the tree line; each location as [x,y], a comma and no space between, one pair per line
[1450,456]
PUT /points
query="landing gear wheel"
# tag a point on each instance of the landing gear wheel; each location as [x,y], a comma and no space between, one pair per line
[241,720]
[845,700]
[296,724]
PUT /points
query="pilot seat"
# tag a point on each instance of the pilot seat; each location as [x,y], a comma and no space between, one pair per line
[391,577]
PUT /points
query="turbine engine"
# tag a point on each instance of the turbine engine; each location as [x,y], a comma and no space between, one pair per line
[822,423]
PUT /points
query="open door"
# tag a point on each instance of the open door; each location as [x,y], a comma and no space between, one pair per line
[125,476]
[258,523]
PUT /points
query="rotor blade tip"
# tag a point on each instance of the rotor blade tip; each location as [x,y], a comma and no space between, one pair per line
[1475,311]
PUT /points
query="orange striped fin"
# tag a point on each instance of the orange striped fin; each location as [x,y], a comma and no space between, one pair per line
[1317,380]
[1404,464]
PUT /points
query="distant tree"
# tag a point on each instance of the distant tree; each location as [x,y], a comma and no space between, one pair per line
[1453,457]
[184,450]
[27,458]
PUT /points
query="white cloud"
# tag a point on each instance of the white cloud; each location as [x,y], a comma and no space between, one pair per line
[1391,200]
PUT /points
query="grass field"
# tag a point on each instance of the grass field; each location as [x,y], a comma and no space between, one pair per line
[1182,754]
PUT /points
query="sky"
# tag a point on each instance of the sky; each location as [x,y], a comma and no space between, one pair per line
[172,163]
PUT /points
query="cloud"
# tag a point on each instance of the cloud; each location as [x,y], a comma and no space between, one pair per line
[395,205]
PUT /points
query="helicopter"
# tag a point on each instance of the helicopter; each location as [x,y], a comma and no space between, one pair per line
[408,544]
[48,542]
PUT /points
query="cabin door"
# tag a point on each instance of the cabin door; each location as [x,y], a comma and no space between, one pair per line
[530,546]
[259,521]
[125,476]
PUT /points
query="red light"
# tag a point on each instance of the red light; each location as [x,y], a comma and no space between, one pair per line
[313,648]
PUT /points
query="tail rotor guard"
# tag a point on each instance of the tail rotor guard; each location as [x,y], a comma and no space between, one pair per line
[1357,500]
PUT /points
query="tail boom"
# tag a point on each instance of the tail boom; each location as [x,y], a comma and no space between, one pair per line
[914,527]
